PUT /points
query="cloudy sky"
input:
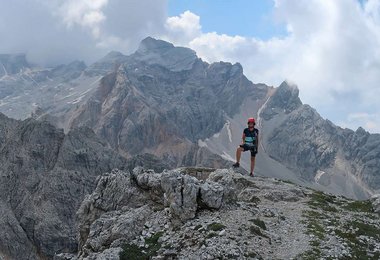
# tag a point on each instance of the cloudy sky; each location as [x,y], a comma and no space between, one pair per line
[330,49]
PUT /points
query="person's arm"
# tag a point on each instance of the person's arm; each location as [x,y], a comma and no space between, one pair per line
[243,138]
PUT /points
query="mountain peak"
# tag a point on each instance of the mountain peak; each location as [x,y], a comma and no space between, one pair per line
[289,86]
[165,54]
[285,99]
[361,131]
[287,96]
[150,44]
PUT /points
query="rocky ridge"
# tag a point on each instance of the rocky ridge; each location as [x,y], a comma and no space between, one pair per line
[203,213]
[197,111]
[162,104]
[161,100]
[316,149]
[164,100]
[44,176]
[27,89]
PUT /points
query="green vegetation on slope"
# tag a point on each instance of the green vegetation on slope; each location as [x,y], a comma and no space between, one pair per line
[348,221]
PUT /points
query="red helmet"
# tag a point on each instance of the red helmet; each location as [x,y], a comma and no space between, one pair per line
[251,120]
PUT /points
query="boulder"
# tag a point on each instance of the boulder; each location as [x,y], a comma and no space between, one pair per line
[181,193]
[116,228]
[113,192]
[211,195]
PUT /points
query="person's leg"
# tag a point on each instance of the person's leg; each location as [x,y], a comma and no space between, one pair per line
[253,160]
[238,156]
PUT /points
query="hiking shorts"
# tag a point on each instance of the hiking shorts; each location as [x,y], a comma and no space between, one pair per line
[253,149]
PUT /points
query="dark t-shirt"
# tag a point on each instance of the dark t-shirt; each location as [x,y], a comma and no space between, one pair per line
[250,136]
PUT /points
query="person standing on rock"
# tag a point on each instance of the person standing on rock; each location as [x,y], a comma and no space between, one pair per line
[250,143]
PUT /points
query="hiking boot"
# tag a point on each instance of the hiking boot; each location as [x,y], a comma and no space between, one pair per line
[236,165]
[251,174]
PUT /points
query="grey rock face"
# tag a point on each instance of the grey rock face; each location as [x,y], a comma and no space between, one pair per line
[285,99]
[158,102]
[13,239]
[162,100]
[265,219]
[116,211]
[113,226]
[211,195]
[107,64]
[185,195]
[181,193]
[303,141]
[68,72]
[113,192]
[158,52]
[45,175]
[26,89]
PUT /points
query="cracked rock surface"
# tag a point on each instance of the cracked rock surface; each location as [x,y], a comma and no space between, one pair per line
[221,214]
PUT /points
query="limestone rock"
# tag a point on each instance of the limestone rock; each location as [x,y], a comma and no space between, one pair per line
[181,193]
[211,195]
[113,192]
[265,218]
[51,172]
[113,226]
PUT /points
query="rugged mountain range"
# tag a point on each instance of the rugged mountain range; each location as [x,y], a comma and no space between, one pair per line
[163,107]
[313,150]
[165,101]
[25,88]
[162,100]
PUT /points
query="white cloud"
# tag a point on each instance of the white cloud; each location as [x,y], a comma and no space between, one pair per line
[118,24]
[332,51]
[58,31]
[86,13]
[183,28]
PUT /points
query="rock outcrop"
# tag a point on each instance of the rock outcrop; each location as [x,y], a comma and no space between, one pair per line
[44,176]
[223,214]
